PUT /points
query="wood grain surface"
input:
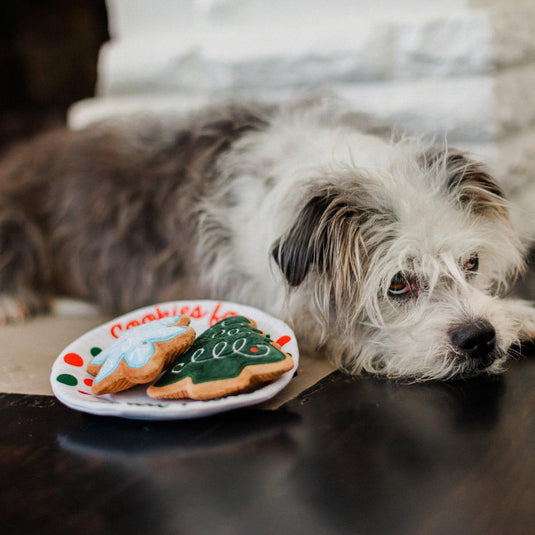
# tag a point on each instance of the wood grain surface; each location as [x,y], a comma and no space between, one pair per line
[347,456]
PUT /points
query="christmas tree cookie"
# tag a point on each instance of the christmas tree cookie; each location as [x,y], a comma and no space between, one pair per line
[231,356]
[140,354]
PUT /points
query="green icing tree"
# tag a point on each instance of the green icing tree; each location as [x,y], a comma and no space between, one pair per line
[222,351]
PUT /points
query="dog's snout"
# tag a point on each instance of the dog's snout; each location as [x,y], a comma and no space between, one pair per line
[476,341]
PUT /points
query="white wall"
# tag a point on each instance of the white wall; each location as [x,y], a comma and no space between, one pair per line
[458,68]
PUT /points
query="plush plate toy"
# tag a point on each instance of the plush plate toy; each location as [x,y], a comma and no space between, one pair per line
[73,384]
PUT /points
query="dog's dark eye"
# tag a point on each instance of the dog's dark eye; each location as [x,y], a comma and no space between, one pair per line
[399,285]
[472,264]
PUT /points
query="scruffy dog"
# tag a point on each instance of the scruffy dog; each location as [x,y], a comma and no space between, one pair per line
[386,253]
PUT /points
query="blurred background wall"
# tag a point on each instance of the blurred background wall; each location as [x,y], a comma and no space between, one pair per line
[464,69]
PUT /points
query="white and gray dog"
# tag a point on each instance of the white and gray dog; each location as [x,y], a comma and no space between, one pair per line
[387,254]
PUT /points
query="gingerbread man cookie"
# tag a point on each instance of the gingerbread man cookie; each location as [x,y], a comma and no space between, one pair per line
[140,354]
[230,357]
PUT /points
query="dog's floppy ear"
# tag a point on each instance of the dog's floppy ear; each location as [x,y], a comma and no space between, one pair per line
[328,235]
[469,182]
[303,245]
[473,185]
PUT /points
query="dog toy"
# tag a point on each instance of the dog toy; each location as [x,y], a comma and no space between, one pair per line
[140,354]
[231,356]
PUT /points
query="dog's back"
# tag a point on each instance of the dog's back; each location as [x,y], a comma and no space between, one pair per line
[106,213]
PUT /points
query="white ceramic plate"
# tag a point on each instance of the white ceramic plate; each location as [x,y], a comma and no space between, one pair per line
[72,384]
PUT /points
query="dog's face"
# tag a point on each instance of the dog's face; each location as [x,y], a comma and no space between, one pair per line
[403,266]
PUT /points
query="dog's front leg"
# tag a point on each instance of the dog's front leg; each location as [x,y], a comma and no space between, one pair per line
[519,314]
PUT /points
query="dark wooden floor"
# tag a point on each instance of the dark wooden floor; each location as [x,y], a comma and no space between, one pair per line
[355,456]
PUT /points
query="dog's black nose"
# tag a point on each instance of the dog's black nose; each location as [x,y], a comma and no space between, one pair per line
[476,341]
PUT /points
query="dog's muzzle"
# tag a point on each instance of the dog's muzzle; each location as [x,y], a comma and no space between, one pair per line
[475,342]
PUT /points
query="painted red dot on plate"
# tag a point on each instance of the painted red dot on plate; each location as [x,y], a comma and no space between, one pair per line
[73,359]
[88,382]
[283,340]
[254,349]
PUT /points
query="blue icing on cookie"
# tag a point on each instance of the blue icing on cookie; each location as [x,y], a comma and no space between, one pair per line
[136,346]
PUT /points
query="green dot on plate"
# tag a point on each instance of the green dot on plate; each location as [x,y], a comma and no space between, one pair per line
[67,379]
[95,351]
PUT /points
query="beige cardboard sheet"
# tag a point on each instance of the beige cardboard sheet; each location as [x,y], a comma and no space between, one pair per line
[28,350]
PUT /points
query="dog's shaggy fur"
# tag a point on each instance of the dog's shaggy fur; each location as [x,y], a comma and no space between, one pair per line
[386,253]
